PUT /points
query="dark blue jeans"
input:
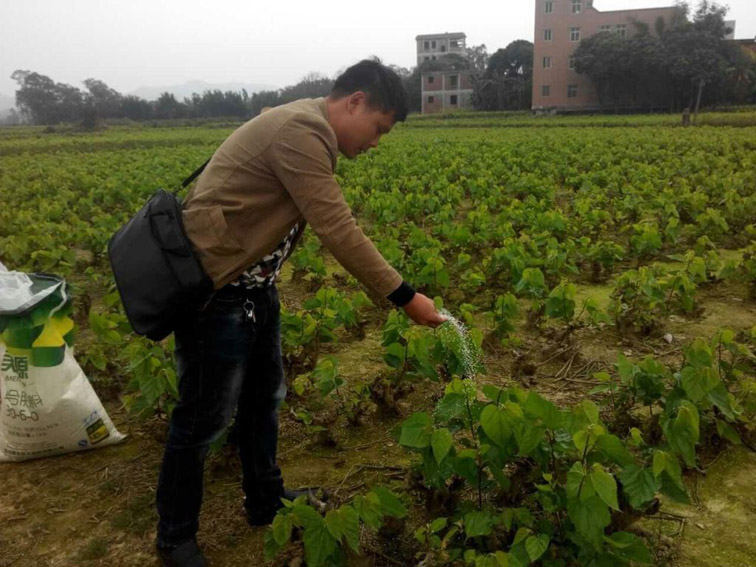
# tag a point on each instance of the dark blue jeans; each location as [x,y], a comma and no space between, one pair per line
[226,360]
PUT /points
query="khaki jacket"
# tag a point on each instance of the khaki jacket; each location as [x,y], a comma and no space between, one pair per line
[272,172]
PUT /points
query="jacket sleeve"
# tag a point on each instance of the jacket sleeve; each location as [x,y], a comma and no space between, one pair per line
[300,158]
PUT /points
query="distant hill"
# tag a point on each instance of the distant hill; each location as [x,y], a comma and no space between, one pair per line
[185,91]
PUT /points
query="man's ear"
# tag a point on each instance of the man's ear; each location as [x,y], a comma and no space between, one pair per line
[356,101]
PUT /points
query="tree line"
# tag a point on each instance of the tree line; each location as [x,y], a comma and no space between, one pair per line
[41,100]
[674,65]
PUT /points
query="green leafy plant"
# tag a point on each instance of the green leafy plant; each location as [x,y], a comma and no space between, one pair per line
[329,539]
[570,458]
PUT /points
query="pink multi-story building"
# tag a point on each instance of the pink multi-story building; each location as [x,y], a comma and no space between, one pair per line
[559,27]
[443,90]
[446,90]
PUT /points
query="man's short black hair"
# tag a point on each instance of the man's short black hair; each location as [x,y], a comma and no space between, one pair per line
[383,87]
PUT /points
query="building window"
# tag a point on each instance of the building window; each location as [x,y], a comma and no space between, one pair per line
[577,6]
[571,91]
[426,46]
[433,57]
[548,7]
[433,44]
[453,81]
[545,90]
[453,99]
[604,28]
[620,30]
[443,48]
[547,62]
[425,59]
[430,100]
[452,43]
[430,80]
[574,34]
[547,35]
[571,64]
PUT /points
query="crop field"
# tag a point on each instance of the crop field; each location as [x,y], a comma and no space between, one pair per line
[598,410]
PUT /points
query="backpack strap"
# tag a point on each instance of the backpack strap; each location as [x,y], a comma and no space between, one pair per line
[192,177]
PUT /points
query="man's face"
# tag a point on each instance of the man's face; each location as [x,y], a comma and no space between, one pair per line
[363,126]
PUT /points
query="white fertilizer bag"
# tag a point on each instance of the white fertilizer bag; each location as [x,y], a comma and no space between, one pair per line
[47,405]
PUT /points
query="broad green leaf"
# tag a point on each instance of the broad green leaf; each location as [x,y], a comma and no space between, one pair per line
[497,424]
[590,410]
[630,547]
[417,431]
[682,433]
[699,354]
[614,449]
[499,476]
[528,438]
[541,408]
[441,442]
[494,394]
[270,546]
[369,509]
[673,488]
[625,368]
[536,546]
[694,382]
[451,406]
[281,528]
[345,523]
[319,544]
[639,485]
[390,503]
[602,376]
[479,523]
[577,483]
[605,486]
[720,397]
[394,355]
[590,517]
[437,525]
[727,431]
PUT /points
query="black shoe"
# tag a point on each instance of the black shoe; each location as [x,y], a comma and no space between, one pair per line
[263,515]
[186,554]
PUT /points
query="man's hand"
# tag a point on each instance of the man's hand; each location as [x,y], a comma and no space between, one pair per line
[422,311]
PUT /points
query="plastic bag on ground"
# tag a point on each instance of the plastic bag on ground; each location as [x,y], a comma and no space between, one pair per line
[47,405]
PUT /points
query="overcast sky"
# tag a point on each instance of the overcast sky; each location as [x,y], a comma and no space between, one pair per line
[133,43]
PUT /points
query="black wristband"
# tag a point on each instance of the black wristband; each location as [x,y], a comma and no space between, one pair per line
[402,295]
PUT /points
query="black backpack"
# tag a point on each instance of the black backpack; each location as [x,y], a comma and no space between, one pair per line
[156,270]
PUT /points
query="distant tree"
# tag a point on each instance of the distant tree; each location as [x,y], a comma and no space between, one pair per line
[166,106]
[685,58]
[217,103]
[740,83]
[105,101]
[414,87]
[43,101]
[695,52]
[515,60]
[478,57]
[508,78]
[312,85]
[263,99]
[604,57]
[136,108]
